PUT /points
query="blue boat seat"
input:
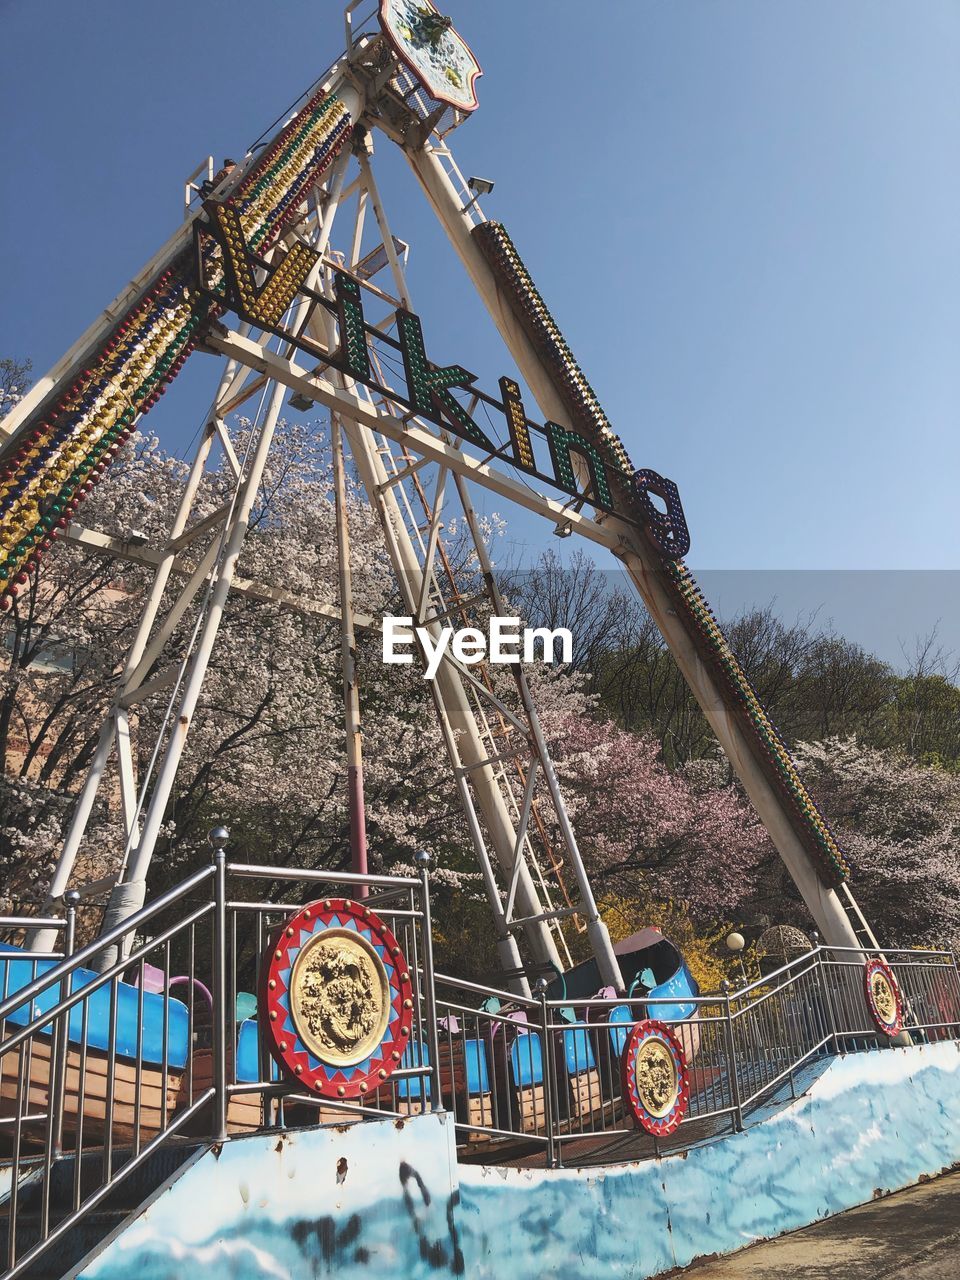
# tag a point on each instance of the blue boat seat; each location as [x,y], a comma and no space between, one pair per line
[415,1055]
[526,1059]
[619,1035]
[577,1050]
[17,973]
[475,1060]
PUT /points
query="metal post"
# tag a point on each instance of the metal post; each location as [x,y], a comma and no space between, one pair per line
[732,1061]
[218,839]
[71,900]
[348,658]
[828,1002]
[428,991]
[548,1089]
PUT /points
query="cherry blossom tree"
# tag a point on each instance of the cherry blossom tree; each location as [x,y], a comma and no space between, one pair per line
[265,751]
[900,824]
[642,827]
[266,747]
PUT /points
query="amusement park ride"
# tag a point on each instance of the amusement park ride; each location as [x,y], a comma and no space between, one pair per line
[288,270]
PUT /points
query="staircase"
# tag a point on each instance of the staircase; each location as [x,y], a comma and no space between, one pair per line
[71,1182]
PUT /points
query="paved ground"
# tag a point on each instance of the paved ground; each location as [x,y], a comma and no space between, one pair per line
[913,1235]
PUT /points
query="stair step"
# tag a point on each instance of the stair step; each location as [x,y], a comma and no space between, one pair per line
[115,1208]
[66,1252]
[128,1193]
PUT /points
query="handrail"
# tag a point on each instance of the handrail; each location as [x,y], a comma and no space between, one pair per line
[46,1016]
[91,1202]
[253,871]
[92,949]
[32,922]
[488,991]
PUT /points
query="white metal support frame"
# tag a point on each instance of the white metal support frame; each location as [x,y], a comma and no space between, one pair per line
[411,472]
[534,750]
[471,755]
[144,801]
[434,168]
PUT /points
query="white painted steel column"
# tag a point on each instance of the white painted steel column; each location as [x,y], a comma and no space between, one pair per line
[823,903]
[450,699]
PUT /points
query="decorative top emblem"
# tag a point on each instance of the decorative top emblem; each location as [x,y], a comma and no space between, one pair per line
[337,999]
[883,997]
[427,42]
[655,1081]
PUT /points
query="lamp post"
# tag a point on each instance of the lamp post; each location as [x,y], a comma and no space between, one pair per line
[735,944]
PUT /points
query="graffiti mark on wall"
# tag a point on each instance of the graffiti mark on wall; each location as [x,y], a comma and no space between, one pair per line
[434,1252]
[376,1199]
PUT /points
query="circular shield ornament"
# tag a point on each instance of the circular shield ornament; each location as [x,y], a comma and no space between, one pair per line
[439,58]
[883,997]
[654,1076]
[336,999]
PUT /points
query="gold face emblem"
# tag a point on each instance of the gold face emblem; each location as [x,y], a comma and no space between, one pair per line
[339,997]
[884,999]
[657,1081]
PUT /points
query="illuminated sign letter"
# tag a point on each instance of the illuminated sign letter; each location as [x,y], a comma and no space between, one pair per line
[428,385]
[353,351]
[264,304]
[517,423]
[562,440]
[668,529]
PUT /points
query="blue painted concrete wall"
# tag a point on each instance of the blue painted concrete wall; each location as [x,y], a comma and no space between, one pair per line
[870,1123]
[350,1201]
[388,1198]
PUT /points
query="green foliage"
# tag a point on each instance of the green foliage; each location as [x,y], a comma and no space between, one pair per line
[701,942]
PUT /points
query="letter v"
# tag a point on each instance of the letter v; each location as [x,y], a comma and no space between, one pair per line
[264,305]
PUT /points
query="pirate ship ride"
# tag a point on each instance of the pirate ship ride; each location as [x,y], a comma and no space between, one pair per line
[252,997]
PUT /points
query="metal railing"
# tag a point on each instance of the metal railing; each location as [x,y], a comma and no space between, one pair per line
[149,1037]
[76,1071]
[547,1073]
[134,1042]
[403,905]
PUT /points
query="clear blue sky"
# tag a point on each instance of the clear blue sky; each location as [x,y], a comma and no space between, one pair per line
[744,213]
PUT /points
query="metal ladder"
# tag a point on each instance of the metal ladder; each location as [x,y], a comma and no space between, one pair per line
[505,751]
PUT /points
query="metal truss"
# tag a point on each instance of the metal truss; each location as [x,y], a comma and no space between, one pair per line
[413,473]
[501,766]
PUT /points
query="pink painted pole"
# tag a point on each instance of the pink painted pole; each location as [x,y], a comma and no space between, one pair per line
[351,697]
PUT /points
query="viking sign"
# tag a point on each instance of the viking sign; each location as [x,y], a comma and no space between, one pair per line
[336,999]
[261,292]
[427,42]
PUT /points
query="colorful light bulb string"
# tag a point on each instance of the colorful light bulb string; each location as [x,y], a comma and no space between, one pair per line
[58,456]
[769,748]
